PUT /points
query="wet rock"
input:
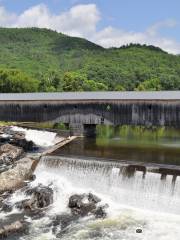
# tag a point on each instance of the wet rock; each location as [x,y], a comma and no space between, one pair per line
[95,234]
[17,139]
[32,178]
[80,205]
[12,229]
[6,207]
[61,222]
[9,153]
[1,201]
[93,198]
[18,135]
[100,211]
[41,197]
[139,230]
[76,201]
[23,143]
[4,204]
[85,204]
[4,138]
[16,177]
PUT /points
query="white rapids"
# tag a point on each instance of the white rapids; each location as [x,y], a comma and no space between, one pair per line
[149,204]
[40,138]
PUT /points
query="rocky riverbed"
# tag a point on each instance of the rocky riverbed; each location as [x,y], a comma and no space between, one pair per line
[17,168]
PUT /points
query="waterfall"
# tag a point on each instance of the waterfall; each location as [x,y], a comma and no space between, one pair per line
[40,138]
[135,200]
[124,186]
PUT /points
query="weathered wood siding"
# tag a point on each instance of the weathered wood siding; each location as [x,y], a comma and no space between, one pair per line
[116,112]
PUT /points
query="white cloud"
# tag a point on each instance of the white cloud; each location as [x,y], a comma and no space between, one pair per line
[112,37]
[81,20]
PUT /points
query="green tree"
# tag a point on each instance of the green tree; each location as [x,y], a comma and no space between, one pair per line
[149,85]
[119,88]
[50,82]
[90,85]
[73,81]
[14,81]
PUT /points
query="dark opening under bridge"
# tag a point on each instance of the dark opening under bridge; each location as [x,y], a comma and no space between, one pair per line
[84,110]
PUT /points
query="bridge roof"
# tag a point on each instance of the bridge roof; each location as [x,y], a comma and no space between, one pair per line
[156,95]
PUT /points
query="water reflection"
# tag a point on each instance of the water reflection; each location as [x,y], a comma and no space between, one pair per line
[130,144]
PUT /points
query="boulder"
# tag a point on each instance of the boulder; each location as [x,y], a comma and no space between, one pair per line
[9,153]
[139,230]
[6,207]
[93,198]
[17,139]
[23,143]
[76,201]
[85,204]
[15,178]
[81,205]
[41,197]
[61,222]
[100,212]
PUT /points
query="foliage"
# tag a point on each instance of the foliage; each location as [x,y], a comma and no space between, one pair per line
[136,132]
[15,81]
[50,82]
[51,61]
[150,85]
[60,126]
[78,82]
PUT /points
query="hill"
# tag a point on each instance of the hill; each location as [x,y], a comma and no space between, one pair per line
[35,59]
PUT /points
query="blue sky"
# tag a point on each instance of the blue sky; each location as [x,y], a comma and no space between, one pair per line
[106,22]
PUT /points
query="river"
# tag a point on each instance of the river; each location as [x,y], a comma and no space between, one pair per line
[135,202]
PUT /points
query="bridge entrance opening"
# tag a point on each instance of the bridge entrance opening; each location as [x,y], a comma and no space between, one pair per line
[90,130]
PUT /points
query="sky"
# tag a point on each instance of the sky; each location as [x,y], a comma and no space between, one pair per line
[109,23]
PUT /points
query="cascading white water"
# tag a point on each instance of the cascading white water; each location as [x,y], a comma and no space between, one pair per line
[147,203]
[40,138]
[146,193]
[134,202]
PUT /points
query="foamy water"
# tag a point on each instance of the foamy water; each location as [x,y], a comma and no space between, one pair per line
[40,138]
[132,204]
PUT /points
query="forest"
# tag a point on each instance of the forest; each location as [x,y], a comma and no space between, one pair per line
[42,60]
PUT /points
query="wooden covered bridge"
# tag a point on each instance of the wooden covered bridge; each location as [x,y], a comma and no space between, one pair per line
[84,110]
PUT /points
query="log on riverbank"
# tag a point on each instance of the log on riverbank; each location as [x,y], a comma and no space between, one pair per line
[58,145]
[16,177]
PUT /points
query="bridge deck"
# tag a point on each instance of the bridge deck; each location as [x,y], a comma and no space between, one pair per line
[158,95]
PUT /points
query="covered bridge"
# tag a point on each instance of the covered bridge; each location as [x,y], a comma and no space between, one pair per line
[87,109]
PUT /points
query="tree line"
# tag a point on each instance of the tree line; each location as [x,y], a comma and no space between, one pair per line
[16,81]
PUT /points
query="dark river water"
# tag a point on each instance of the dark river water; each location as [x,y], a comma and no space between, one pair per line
[163,151]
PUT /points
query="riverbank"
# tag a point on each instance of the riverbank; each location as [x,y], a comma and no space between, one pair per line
[17,170]
[20,153]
